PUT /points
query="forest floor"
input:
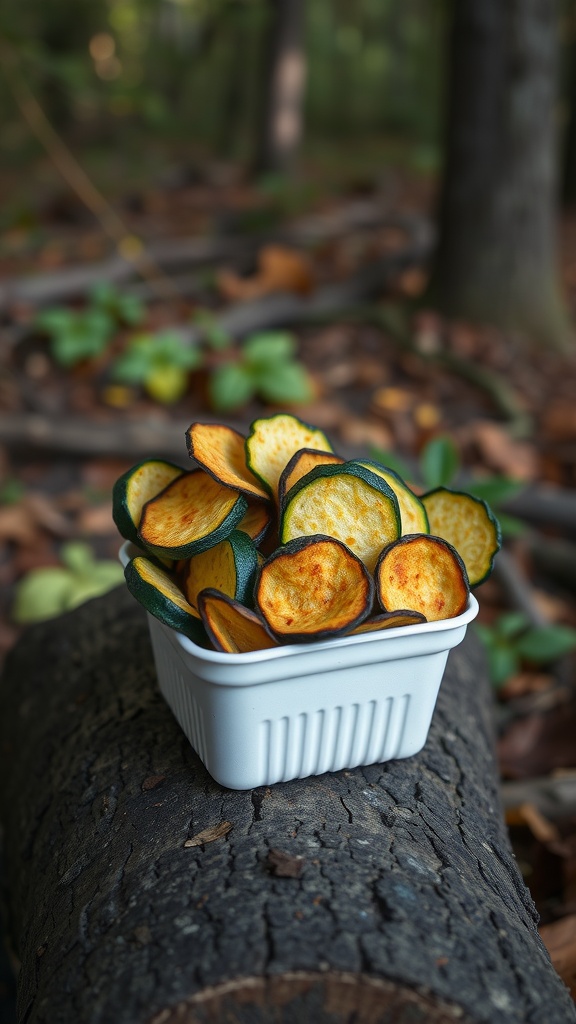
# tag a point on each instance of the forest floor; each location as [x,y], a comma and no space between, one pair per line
[387,375]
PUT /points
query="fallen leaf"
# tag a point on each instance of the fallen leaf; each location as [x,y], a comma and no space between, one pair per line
[279,270]
[209,835]
[559,421]
[542,829]
[152,781]
[284,865]
[539,743]
[516,459]
[560,941]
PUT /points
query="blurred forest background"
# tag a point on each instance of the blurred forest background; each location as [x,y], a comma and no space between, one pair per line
[362,212]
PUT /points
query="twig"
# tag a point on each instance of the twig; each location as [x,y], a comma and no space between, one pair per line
[130,248]
[73,282]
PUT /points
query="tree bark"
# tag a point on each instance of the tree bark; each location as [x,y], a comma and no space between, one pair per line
[141,892]
[496,259]
[284,84]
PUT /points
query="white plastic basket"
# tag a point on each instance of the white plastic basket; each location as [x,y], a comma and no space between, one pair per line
[305,709]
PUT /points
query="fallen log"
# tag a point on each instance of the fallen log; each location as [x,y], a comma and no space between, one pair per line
[74,282]
[141,892]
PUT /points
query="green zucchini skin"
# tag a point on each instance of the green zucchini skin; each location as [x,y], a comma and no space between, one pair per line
[398,484]
[270,419]
[126,523]
[245,558]
[161,606]
[194,547]
[354,469]
[475,579]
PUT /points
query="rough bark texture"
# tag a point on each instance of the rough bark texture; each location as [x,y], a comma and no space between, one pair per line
[496,259]
[406,906]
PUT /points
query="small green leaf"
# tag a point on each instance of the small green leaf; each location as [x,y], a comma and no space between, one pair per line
[511,624]
[77,557]
[503,663]
[166,383]
[214,335]
[495,489]
[41,594]
[510,526]
[268,348]
[231,386]
[542,644]
[439,462]
[284,382]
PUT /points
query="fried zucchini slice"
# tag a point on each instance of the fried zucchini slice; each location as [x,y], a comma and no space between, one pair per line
[221,451]
[193,513]
[469,525]
[312,588]
[230,626]
[347,502]
[389,620]
[257,520]
[229,567]
[300,464]
[134,488]
[423,573]
[272,442]
[161,596]
[413,516]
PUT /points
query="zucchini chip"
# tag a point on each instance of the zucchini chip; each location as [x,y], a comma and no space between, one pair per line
[347,502]
[413,515]
[272,442]
[469,525]
[257,520]
[134,488]
[193,513]
[229,567]
[232,627]
[422,573]
[389,620]
[313,588]
[160,595]
[300,464]
[220,450]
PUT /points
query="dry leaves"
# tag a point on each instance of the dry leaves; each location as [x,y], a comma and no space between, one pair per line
[279,270]
[516,459]
[560,941]
[210,834]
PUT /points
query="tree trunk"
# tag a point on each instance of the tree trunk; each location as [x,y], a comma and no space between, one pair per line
[569,140]
[284,83]
[141,892]
[496,259]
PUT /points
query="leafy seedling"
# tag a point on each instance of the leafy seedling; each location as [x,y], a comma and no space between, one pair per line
[512,641]
[123,309]
[439,466]
[76,335]
[49,591]
[160,363]
[266,368]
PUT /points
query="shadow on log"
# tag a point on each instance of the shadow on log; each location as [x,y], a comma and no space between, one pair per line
[141,892]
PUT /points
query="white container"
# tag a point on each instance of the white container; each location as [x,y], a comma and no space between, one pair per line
[305,709]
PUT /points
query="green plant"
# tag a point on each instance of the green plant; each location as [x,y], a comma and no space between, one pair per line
[160,363]
[439,466]
[51,590]
[512,641]
[266,368]
[76,335]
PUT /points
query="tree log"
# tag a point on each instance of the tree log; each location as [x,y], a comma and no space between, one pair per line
[141,892]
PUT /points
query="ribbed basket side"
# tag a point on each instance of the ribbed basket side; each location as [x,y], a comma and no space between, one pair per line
[185,707]
[326,740]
